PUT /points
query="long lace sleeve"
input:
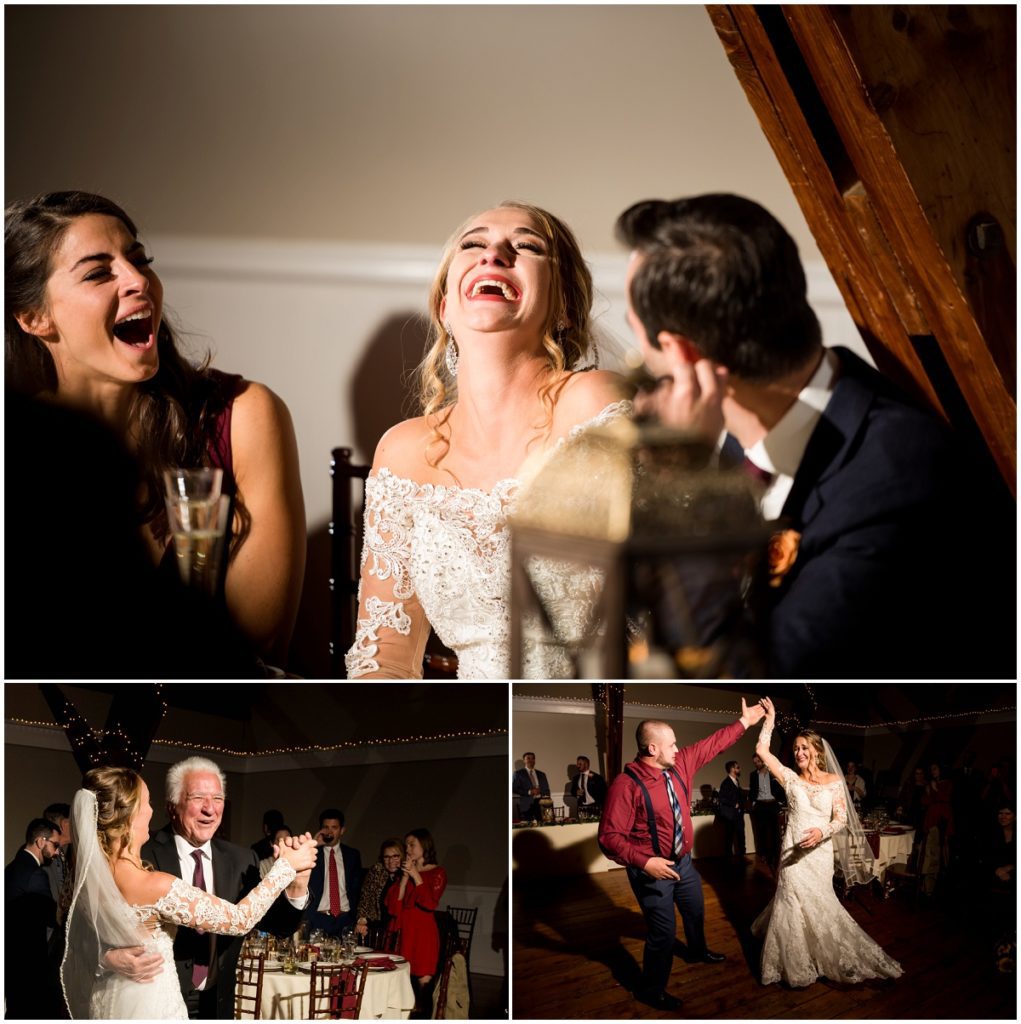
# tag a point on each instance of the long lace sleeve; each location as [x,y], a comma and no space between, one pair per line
[186,905]
[392,629]
[838,822]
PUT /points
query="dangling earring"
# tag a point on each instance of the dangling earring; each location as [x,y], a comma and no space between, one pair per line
[451,354]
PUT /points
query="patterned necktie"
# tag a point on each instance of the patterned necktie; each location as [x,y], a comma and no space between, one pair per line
[199,972]
[678,820]
[757,472]
[334,885]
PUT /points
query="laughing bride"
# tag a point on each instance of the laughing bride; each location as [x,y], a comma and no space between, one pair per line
[510,310]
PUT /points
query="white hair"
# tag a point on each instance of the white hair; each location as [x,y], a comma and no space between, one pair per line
[179,771]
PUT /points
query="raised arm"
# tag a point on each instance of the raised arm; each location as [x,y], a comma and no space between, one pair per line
[776,769]
[186,905]
[264,579]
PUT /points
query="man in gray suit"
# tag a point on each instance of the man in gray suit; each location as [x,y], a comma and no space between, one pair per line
[186,847]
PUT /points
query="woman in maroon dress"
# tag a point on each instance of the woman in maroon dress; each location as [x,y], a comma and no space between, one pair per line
[410,904]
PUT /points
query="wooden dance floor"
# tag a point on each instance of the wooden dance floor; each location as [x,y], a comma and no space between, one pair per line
[578,953]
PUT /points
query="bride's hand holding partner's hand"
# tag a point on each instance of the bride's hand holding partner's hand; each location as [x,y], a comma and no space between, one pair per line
[811,837]
[300,852]
[660,867]
[769,709]
[751,715]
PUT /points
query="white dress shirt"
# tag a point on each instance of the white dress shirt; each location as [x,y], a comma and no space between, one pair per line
[765,791]
[324,902]
[780,452]
[584,796]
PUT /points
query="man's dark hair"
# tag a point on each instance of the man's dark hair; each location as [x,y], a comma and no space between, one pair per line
[39,827]
[722,271]
[584,757]
[272,820]
[56,812]
[644,733]
[528,753]
[332,814]
[730,766]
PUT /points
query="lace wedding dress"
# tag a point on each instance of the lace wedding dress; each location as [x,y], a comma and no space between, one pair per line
[115,997]
[808,933]
[439,556]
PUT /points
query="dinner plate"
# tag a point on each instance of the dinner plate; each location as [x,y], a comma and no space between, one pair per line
[364,949]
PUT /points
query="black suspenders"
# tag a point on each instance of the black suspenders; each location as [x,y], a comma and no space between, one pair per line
[653,831]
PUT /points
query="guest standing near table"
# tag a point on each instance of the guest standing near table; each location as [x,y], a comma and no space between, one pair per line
[767,797]
[587,787]
[731,811]
[29,909]
[411,904]
[206,964]
[375,886]
[529,786]
[646,826]
[336,879]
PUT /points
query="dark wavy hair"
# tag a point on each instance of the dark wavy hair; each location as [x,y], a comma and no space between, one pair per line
[175,412]
[424,836]
[722,271]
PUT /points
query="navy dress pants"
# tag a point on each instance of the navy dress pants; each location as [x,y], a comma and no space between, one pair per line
[657,898]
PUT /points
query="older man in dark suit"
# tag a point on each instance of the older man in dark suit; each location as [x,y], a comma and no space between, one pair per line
[29,909]
[871,489]
[206,963]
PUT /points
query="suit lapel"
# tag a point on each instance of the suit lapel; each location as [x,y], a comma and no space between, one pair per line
[831,441]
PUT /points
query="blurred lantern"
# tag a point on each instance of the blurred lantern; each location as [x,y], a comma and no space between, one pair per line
[634,557]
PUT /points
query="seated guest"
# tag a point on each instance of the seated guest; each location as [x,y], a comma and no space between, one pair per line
[375,885]
[529,786]
[282,833]
[29,909]
[272,822]
[502,381]
[730,813]
[867,486]
[587,787]
[85,329]
[1001,851]
[410,904]
[336,879]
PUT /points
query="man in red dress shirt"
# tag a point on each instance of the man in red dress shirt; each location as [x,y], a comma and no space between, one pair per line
[656,786]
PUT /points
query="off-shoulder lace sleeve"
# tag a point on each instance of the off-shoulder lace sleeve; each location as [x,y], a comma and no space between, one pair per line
[392,629]
[192,907]
[839,820]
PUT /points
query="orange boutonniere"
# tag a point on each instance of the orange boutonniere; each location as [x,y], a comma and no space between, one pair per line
[782,553]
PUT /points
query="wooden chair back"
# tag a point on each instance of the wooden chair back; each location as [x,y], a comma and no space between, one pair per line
[248,986]
[336,991]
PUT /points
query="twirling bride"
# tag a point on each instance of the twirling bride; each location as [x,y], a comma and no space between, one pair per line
[510,309]
[808,934]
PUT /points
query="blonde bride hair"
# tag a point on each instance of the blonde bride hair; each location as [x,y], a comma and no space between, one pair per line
[118,794]
[570,305]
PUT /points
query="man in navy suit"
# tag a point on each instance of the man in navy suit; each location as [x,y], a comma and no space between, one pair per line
[731,811]
[768,799]
[207,963]
[29,909]
[336,879]
[529,786]
[871,578]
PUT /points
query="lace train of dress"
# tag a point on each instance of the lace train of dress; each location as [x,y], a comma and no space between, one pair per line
[808,934]
[446,549]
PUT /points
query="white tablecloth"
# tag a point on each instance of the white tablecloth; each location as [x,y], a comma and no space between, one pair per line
[388,995]
[893,850]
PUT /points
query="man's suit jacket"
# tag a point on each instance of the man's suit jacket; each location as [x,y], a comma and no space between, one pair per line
[774,787]
[235,874]
[889,580]
[730,806]
[29,910]
[352,861]
[596,787]
[522,784]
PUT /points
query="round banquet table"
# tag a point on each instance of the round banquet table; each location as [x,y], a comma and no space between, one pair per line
[388,995]
[892,846]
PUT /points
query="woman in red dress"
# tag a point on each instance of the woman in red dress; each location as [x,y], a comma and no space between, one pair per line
[410,904]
